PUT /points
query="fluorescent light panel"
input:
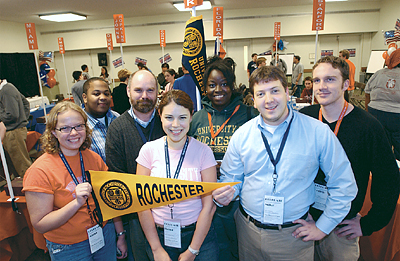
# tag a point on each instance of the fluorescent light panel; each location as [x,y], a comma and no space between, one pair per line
[336,0]
[181,6]
[65,17]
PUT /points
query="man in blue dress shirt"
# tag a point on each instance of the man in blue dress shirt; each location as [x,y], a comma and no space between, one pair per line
[276,157]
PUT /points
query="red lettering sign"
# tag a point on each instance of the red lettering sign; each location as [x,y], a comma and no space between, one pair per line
[110,46]
[31,35]
[318,15]
[218,21]
[162,38]
[192,3]
[119,28]
[277,31]
[61,45]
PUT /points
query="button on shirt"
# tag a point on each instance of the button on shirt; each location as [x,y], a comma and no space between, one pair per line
[310,145]
[100,132]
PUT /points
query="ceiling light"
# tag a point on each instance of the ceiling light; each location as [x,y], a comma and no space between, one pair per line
[336,0]
[181,6]
[65,17]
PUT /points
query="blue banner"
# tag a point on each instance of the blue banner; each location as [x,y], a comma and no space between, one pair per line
[194,51]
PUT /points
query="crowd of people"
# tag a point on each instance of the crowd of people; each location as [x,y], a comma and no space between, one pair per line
[302,181]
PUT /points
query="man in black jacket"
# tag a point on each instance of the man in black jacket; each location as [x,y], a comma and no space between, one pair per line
[127,134]
[368,150]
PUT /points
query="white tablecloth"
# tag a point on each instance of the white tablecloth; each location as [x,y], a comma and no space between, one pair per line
[37,100]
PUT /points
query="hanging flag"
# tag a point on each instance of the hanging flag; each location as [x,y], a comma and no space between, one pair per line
[277,31]
[119,28]
[110,46]
[31,35]
[318,15]
[192,3]
[61,45]
[120,194]
[218,21]
[162,38]
[194,51]
[218,49]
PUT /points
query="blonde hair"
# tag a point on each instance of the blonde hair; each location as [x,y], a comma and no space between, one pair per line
[49,142]
[124,74]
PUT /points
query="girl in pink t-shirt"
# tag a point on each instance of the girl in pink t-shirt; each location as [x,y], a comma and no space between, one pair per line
[188,159]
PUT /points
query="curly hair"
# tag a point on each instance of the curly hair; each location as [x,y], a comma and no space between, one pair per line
[50,143]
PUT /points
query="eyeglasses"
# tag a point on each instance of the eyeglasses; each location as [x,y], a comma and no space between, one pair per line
[79,127]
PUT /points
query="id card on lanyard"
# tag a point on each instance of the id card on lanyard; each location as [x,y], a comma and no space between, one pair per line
[321,191]
[172,227]
[95,233]
[274,204]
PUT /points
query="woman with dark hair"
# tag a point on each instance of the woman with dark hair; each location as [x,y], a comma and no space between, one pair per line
[179,156]
[104,74]
[58,192]
[170,76]
[223,112]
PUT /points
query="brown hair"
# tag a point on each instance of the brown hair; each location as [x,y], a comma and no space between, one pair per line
[266,74]
[345,53]
[336,63]
[308,78]
[260,61]
[49,141]
[179,97]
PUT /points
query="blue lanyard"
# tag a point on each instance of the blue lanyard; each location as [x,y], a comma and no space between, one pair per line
[70,170]
[167,163]
[278,156]
[141,132]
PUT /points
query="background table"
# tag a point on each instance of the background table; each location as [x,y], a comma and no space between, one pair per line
[37,101]
[39,113]
[383,245]
[18,239]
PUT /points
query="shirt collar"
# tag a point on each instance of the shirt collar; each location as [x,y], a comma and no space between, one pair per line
[3,82]
[94,121]
[141,123]
[262,125]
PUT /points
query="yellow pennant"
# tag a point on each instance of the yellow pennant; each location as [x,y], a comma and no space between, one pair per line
[120,194]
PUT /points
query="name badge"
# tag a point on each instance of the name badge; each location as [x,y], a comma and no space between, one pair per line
[321,195]
[96,238]
[273,210]
[172,233]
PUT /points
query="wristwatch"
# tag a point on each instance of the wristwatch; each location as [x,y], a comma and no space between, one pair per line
[121,233]
[194,252]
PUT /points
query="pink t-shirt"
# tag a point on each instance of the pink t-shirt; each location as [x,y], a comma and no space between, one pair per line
[198,157]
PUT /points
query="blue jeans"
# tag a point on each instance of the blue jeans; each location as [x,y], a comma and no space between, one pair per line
[298,90]
[208,250]
[81,250]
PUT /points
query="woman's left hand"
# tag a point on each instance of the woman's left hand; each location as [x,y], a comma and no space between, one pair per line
[122,246]
[186,256]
